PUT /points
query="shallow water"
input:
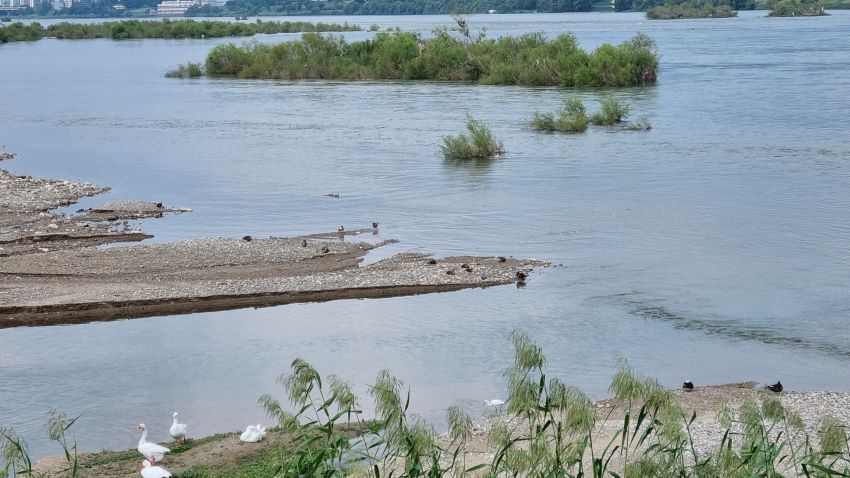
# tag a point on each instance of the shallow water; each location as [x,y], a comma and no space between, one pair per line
[713,248]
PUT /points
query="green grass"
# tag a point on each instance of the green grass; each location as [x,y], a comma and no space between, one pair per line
[108,457]
[262,464]
[530,59]
[479,143]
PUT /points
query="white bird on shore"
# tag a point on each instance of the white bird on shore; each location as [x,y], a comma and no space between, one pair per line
[149,471]
[493,403]
[178,430]
[253,434]
[151,451]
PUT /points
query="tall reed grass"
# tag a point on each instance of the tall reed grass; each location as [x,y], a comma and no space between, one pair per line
[556,432]
[552,429]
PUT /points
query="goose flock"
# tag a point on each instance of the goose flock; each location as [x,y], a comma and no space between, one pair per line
[154,452]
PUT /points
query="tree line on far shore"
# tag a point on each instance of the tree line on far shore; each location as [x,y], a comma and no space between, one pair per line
[132,29]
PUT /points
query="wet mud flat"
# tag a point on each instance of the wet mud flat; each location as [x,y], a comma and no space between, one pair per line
[51,271]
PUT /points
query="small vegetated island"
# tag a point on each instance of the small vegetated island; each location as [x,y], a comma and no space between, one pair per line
[684,6]
[672,11]
[526,60]
[135,29]
[796,8]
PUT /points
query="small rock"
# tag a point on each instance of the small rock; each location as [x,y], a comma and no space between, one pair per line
[53,226]
[502,259]
[325,249]
[247,238]
[432,262]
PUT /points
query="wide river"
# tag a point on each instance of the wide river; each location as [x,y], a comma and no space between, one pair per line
[712,248]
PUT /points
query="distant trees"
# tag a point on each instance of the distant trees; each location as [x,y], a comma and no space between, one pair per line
[389,7]
[127,29]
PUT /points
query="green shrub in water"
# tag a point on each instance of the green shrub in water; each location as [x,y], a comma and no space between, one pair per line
[612,112]
[478,144]
[188,70]
[571,119]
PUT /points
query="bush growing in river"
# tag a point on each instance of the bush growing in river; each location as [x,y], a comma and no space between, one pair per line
[478,144]
[188,70]
[571,119]
[526,60]
[613,112]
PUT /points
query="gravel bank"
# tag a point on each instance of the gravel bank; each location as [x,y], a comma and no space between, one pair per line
[50,273]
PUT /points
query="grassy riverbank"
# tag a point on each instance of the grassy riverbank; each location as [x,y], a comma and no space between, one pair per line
[687,10]
[548,429]
[135,29]
[527,60]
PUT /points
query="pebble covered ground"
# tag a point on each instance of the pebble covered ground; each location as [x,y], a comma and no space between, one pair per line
[51,272]
[811,406]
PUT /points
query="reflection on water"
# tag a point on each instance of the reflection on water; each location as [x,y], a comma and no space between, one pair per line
[713,247]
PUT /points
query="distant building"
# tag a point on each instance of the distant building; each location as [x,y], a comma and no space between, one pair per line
[169,8]
[16,4]
[491,11]
[119,7]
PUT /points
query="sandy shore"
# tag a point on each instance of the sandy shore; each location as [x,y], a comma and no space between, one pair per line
[52,273]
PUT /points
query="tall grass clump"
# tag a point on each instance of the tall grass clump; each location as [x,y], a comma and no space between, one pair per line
[571,119]
[530,59]
[187,70]
[479,143]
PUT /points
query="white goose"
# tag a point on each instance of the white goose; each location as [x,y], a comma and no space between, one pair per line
[253,434]
[151,451]
[149,471]
[178,430]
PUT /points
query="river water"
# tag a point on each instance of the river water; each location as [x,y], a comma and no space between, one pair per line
[713,248]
